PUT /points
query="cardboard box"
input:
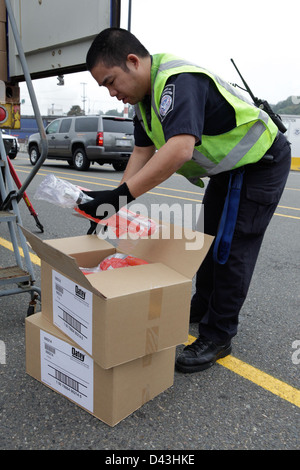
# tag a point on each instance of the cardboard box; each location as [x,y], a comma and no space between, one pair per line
[3,46]
[2,10]
[122,314]
[3,66]
[110,395]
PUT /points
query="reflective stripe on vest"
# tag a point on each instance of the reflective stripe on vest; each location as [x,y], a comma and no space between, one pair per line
[234,156]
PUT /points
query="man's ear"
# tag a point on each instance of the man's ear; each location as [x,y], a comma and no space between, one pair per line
[132,60]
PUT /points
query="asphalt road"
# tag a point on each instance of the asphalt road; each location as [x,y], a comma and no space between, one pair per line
[250,401]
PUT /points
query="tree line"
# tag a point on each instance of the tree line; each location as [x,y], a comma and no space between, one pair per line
[77,111]
[290,105]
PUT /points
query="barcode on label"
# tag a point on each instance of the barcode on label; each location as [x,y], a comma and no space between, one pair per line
[71,321]
[49,348]
[65,379]
[59,289]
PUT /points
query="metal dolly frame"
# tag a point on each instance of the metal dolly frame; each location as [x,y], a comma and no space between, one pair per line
[23,277]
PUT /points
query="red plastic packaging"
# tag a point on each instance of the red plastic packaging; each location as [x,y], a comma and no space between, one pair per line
[120,261]
[125,221]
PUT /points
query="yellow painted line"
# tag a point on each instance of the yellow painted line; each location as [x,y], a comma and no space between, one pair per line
[290,208]
[155,193]
[171,195]
[166,195]
[289,216]
[175,197]
[114,186]
[107,179]
[60,172]
[76,179]
[258,377]
[35,259]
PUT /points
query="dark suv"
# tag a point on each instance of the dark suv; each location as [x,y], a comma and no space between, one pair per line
[81,140]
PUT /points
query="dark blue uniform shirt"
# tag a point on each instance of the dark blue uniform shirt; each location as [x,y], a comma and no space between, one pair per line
[190,104]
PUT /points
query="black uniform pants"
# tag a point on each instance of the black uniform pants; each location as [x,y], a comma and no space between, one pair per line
[222,289]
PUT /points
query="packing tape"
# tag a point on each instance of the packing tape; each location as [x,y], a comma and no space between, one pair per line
[145,394]
[152,335]
[147,360]
[154,312]
[155,303]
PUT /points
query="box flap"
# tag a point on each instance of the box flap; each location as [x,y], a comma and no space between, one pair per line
[59,260]
[111,283]
[179,248]
[79,244]
[135,279]
[182,252]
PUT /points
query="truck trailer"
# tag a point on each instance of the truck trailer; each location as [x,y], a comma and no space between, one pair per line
[292,123]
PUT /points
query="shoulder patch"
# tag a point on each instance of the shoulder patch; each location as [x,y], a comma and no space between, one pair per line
[167,100]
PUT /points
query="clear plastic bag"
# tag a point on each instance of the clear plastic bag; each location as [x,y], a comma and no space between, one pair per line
[60,192]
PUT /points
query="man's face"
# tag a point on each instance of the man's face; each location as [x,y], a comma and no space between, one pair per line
[127,86]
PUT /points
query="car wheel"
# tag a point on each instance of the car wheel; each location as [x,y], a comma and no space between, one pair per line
[80,161]
[119,166]
[34,154]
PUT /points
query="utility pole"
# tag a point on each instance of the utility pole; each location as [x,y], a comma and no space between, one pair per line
[83,97]
[129,15]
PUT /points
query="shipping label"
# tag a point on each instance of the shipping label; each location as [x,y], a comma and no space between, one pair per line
[67,369]
[73,310]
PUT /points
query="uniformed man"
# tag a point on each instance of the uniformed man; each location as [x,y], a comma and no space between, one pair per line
[200,127]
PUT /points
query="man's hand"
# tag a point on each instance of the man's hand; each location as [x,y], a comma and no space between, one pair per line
[108,202]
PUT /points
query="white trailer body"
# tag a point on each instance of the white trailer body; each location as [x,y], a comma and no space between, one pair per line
[292,123]
[56,34]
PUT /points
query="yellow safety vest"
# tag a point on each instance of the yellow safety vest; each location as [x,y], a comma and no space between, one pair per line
[246,143]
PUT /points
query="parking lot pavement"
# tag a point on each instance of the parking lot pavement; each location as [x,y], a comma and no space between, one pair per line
[248,401]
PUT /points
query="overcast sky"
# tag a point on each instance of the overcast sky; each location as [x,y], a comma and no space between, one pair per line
[262,36]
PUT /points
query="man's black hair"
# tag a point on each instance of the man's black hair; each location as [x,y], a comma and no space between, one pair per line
[112,46]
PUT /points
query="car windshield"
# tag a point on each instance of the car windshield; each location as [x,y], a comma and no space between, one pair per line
[53,127]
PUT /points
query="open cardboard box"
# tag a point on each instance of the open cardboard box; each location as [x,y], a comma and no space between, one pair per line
[119,315]
[109,394]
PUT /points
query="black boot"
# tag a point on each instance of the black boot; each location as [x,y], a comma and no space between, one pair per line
[201,355]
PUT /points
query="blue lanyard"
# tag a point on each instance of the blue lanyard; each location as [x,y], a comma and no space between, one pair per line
[228,219]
